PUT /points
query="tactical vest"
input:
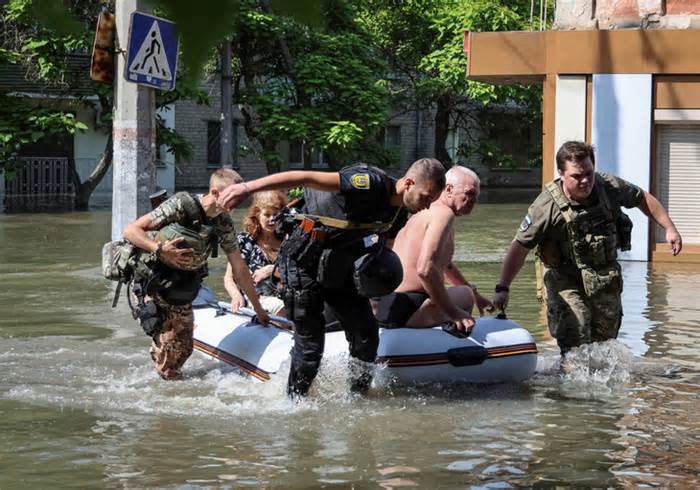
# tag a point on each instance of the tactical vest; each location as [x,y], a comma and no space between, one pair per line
[592,232]
[180,286]
[202,242]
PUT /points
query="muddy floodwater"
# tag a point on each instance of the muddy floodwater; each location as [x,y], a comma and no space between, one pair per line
[81,407]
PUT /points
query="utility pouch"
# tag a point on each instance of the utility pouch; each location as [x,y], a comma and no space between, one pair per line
[624,232]
[597,250]
[302,248]
[116,260]
[309,255]
[146,311]
[149,318]
[293,244]
[334,268]
[602,280]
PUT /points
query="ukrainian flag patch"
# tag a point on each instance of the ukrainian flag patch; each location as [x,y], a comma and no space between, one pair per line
[525,223]
[360,181]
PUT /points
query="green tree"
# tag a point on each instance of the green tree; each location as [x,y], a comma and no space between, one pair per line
[423,42]
[47,53]
[320,84]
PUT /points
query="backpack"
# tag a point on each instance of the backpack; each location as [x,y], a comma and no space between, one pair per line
[118,260]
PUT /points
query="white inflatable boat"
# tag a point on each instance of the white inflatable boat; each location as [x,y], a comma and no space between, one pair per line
[496,351]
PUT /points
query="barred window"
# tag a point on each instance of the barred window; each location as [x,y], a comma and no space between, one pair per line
[301,155]
[214,142]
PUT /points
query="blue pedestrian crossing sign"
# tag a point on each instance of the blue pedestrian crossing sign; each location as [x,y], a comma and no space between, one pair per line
[152,53]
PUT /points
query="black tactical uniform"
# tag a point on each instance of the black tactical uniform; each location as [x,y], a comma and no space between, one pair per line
[316,266]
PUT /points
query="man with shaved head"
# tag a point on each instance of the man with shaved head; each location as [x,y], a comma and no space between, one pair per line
[426,246]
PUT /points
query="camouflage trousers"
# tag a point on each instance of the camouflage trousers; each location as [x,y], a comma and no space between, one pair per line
[574,317]
[173,345]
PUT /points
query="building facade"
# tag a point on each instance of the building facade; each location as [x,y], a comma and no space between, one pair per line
[622,76]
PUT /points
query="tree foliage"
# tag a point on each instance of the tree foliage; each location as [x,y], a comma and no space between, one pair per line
[318,84]
[51,43]
[423,41]
[325,72]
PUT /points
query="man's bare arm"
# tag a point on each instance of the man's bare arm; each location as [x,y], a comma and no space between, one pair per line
[455,277]
[170,253]
[430,276]
[656,211]
[512,263]
[234,194]
[241,275]
[136,233]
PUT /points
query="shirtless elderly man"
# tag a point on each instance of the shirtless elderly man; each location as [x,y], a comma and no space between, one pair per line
[425,246]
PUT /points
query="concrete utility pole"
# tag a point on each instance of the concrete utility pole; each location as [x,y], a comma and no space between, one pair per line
[226,109]
[134,133]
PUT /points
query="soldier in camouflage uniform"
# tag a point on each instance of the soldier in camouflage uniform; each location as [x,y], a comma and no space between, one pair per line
[577,225]
[187,229]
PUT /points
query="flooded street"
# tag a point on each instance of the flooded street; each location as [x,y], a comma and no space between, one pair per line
[81,406]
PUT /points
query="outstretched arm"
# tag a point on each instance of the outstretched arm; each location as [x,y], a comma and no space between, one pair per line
[234,194]
[455,277]
[656,211]
[512,263]
[237,300]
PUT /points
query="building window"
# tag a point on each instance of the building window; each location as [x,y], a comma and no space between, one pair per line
[302,155]
[452,143]
[214,143]
[392,136]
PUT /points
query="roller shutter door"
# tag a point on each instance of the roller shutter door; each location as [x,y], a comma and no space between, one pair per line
[678,179]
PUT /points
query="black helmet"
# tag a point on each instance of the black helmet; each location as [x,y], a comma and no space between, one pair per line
[378,273]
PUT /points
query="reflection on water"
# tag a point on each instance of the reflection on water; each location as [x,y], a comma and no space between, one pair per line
[81,405]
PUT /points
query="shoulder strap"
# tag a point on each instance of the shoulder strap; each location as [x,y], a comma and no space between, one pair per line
[193,208]
[560,200]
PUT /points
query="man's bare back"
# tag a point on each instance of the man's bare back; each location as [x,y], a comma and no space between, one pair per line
[409,240]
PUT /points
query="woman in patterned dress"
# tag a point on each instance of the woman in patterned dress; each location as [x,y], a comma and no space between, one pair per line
[259,245]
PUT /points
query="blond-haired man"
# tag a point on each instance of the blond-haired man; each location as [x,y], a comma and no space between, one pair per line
[186,229]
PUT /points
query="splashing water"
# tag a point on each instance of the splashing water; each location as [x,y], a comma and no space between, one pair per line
[589,371]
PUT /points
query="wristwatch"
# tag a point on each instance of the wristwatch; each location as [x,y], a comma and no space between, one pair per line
[502,289]
[156,252]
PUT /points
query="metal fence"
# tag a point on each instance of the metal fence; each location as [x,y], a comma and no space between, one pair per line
[42,184]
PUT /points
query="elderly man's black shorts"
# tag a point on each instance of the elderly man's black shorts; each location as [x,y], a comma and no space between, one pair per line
[395,309]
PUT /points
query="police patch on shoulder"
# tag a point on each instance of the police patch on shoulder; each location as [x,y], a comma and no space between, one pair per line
[527,221]
[360,181]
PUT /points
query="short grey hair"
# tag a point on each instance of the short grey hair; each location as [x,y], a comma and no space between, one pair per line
[456,173]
